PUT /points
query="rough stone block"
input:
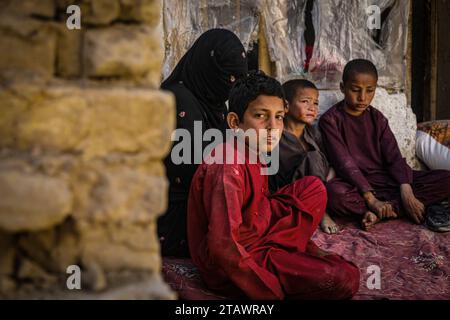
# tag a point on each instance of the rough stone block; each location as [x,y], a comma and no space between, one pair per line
[27,45]
[30,270]
[100,12]
[119,193]
[44,8]
[12,105]
[55,248]
[93,12]
[112,247]
[152,288]
[69,52]
[124,51]
[97,122]
[31,201]
[147,11]
[7,255]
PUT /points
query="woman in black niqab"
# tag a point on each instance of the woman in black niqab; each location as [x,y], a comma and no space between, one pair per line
[201,83]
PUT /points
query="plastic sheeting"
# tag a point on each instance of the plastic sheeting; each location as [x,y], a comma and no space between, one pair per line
[285,28]
[341,34]
[185,20]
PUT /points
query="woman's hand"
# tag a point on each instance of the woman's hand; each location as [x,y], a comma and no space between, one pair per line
[382,209]
[414,208]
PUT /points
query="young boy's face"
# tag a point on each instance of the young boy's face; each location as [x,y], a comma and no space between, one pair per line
[305,105]
[359,91]
[265,116]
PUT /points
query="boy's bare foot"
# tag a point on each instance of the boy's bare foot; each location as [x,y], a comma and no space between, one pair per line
[369,220]
[328,225]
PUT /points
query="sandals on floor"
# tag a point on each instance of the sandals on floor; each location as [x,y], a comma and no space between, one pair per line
[438,217]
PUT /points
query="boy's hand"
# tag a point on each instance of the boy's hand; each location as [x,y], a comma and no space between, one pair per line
[383,210]
[414,208]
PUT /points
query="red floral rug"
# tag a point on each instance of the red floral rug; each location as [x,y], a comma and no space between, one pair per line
[413,262]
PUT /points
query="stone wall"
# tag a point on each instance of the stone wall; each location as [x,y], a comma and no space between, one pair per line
[83,129]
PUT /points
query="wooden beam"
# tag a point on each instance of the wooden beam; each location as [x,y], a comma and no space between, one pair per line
[409,57]
[265,64]
[443,60]
[434,59]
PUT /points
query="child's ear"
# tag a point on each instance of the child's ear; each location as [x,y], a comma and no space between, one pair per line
[233,120]
[342,87]
[286,106]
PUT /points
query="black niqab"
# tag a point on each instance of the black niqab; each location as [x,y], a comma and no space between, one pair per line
[201,85]
[206,70]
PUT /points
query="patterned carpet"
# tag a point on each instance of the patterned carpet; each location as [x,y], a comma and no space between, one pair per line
[413,262]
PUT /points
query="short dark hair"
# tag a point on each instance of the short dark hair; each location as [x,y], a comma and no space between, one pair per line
[290,87]
[359,66]
[249,88]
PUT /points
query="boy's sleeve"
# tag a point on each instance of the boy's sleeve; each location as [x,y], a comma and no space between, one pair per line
[223,201]
[318,138]
[396,164]
[339,157]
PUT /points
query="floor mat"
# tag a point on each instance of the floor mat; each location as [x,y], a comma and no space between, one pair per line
[413,262]
[184,278]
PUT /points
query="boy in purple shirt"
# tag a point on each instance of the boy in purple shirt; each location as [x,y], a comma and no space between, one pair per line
[373,180]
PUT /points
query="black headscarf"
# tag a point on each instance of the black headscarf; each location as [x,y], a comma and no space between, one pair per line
[206,69]
[201,85]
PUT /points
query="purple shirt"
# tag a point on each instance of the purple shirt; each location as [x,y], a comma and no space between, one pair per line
[363,149]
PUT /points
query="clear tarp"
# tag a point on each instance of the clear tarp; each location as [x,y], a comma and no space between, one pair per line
[341,34]
[185,20]
[285,28]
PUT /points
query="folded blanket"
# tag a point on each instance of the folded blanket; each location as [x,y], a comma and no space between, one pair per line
[433,144]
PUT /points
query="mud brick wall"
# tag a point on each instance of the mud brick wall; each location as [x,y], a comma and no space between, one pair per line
[83,129]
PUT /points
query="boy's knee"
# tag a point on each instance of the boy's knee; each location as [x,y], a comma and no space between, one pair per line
[310,184]
[340,279]
[347,280]
[314,183]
